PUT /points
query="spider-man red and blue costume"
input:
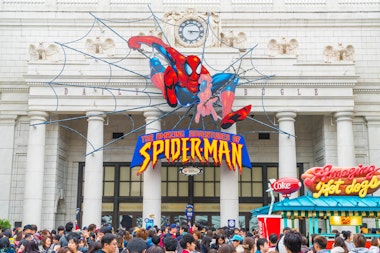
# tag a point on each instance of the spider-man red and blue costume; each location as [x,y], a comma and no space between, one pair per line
[186,81]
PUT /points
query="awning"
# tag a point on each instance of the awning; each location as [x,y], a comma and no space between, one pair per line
[324,207]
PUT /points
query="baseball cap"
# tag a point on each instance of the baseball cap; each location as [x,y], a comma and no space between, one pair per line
[237,238]
[28,227]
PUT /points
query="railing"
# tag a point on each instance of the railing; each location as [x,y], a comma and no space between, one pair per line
[213,5]
[331,237]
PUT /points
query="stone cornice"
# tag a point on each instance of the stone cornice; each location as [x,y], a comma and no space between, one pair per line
[366,91]
[14,90]
[100,85]
[244,23]
[216,5]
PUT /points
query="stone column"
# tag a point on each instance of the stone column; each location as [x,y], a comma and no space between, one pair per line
[229,191]
[373,124]
[287,166]
[7,133]
[34,171]
[93,176]
[345,139]
[152,177]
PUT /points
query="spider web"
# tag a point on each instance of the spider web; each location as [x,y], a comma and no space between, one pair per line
[73,50]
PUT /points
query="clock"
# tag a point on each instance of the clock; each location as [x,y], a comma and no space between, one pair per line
[191,32]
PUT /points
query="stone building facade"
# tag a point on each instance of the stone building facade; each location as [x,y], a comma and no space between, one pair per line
[70,87]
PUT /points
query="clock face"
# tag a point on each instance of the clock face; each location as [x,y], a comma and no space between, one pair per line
[191,31]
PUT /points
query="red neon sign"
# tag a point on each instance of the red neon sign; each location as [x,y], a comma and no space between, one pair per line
[330,180]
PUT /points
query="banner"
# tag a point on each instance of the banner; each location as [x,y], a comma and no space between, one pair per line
[344,181]
[191,146]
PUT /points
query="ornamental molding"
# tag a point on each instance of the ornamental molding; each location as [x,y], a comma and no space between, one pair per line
[91,84]
[299,85]
[322,4]
[14,90]
[125,85]
[366,91]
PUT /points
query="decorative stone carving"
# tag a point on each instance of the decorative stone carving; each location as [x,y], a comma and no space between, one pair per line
[97,46]
[340,54]
[240,41]
[207,30]
[215,32]
[171,19]
[42,53]
[283,47]
[231,40]
[227,39]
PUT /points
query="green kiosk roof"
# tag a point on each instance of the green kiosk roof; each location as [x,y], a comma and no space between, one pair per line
[307,206]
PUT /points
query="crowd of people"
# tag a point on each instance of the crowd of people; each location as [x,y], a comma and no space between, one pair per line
[173,239]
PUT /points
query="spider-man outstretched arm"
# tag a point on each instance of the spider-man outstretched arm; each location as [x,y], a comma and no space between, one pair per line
[135,42]
[183,75]
[180,81]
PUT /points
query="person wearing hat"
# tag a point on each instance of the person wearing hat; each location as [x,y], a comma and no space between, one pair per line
[27,229]
[29,233]
[236,242]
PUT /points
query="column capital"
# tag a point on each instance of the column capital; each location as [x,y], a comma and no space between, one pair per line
[286,115]
[95,115]
[38,115]
[152,115]
[340,116]
[374,120]
[153,121]
[8,119]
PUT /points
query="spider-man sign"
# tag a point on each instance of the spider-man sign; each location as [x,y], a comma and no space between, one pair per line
[186,81]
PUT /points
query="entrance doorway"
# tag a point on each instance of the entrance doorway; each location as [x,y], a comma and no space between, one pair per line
[123,194]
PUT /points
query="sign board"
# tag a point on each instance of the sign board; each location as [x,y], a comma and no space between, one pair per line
[189,146]
[231,223]
[285,185]
[346,220]
[189,211]
[191,171]
[343,181]
[149,223]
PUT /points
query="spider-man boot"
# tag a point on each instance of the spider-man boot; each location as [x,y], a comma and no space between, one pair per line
[235,116]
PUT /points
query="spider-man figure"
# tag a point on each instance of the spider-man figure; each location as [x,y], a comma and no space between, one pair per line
[186,81]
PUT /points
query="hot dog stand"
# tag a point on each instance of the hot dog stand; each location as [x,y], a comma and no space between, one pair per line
[307,207]
[338,196]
